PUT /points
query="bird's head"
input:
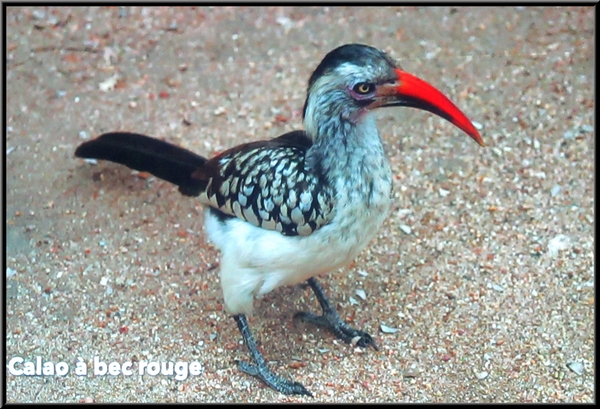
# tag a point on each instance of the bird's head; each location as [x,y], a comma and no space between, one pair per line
[354,79]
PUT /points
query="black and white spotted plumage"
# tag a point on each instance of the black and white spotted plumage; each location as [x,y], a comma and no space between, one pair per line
[270,185]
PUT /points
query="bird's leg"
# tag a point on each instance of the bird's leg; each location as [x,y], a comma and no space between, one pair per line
[260,368]
[331,320]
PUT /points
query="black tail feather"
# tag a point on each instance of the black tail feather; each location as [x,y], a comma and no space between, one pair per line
[162,159]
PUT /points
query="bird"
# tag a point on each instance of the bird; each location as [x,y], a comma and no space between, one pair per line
[287,210]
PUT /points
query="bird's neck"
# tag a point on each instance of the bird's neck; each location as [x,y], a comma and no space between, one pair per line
[349,155]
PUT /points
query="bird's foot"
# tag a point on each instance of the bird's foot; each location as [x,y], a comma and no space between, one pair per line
[260,369]
[342,331]
[273,381]
[331,319]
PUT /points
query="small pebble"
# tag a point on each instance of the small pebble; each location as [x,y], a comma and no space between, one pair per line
[555,190]
[411,373]
[402,213]
[108,84]
[558,243]
[576,367]
[443,192]
[498,152]
[482,375]
[497,287]
[362,294]
[38,14]
[10,272]
[219,111]
[405,229]
[388,330]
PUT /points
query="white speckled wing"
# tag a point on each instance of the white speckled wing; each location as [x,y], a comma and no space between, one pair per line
[269,185]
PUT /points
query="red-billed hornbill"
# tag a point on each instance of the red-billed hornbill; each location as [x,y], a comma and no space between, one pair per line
[286,210]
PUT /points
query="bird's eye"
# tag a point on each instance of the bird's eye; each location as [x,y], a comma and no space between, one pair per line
[364,88]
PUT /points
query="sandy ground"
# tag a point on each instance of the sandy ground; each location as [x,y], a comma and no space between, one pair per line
[485,266]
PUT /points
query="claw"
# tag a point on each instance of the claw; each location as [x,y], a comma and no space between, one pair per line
[260,369]
[330,319]
[341,330]
[273,381]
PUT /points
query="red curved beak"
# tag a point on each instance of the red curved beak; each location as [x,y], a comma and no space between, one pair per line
[413,92]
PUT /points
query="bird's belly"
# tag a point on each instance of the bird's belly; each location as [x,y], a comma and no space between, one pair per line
[285,260]
[255,260]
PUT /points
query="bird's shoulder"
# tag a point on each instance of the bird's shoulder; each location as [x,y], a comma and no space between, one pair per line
[268,184]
